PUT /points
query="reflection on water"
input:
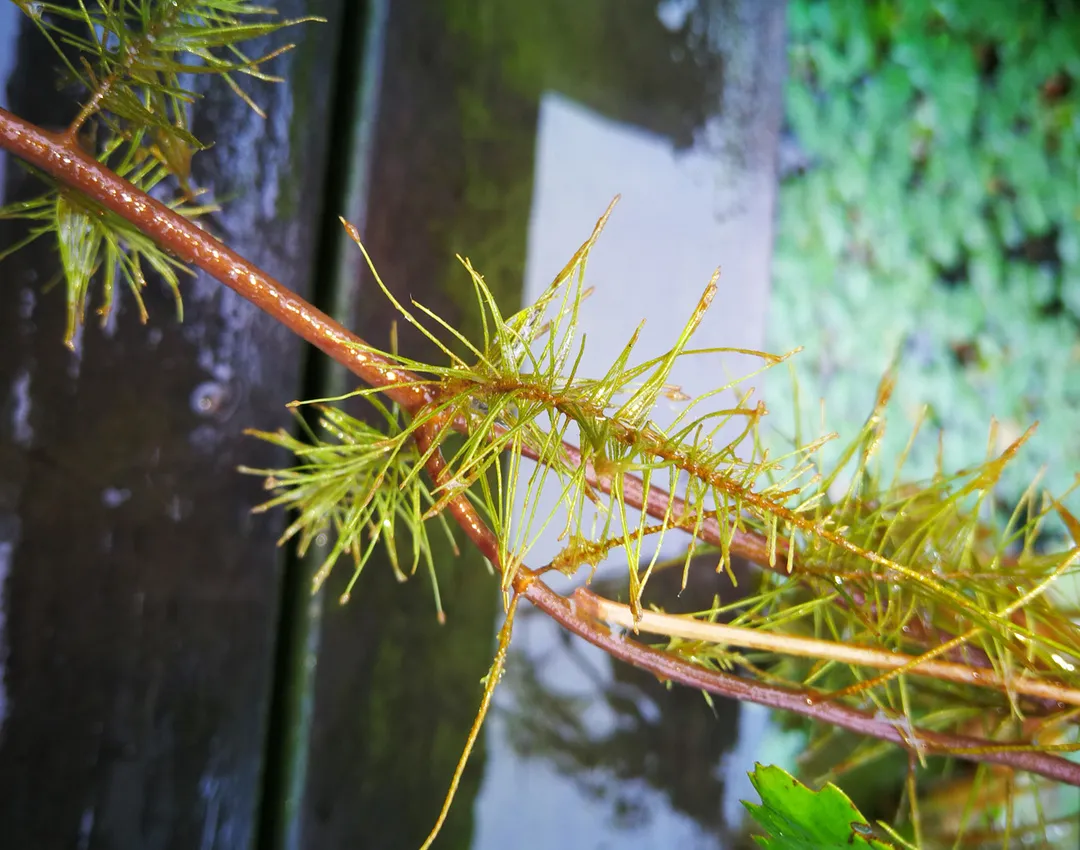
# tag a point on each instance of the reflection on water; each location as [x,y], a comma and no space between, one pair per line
[621,757]
[642,757]
[605,756]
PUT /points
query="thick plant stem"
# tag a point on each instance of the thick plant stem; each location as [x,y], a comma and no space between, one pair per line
[60,158]
[574,615]
[190,243]
[65,162]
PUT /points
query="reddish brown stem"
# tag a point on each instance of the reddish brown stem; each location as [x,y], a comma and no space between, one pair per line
[654,501]
[667,667]
[460,508]
[190,243]
[187,241]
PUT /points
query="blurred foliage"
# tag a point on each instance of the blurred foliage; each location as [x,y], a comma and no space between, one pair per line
[630,736]
[933,215]
[624,741]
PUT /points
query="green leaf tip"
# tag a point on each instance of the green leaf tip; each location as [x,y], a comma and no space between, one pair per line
[796,818]
[134,64]
[360,485]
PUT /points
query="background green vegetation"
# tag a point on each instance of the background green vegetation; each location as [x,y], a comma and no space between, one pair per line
[935,216]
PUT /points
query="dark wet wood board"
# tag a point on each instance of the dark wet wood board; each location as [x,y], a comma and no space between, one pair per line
[141,598]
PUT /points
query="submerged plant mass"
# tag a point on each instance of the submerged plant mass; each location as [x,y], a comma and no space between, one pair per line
[894,607]
[905,601]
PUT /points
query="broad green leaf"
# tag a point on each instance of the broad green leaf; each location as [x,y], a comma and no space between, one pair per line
[796,818]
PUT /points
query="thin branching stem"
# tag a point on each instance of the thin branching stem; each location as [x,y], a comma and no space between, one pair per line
[61,159]
[117,75]
[669,668]
[187,241]
[576,618]
[659,504]
[190,243]
[490,681]
[691,628]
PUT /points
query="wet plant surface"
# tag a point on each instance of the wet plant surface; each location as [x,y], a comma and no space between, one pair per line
[451,162]
[879,607]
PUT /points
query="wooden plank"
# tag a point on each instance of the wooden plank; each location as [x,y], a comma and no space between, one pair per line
[141,597]
[394,692]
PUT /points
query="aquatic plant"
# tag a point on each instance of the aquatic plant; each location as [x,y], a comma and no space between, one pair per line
[891,609]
